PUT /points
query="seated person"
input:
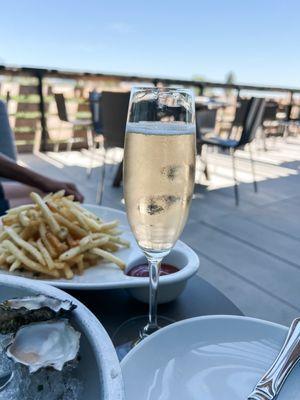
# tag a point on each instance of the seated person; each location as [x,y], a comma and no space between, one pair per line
[22,181]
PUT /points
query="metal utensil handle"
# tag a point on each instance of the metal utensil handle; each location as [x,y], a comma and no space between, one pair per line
[270,384]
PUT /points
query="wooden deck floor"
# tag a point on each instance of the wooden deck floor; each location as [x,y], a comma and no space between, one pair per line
[251,252]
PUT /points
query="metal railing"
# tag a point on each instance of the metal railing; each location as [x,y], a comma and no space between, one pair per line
[41,73]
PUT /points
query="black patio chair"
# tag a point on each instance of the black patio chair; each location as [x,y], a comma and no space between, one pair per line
[96,139]
[64,117]
[289,120]
[252,120]
[270,124]
[113,113]
[7,137]
[95,108]
[205,121]
[241,112]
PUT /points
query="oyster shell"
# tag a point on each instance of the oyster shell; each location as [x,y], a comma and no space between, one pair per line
[22,311]
[45,344]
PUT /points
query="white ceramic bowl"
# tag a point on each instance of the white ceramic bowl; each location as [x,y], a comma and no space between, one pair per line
[207,358]
[170,286]
[99,368]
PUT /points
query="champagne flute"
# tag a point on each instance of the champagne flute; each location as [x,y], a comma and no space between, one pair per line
[159,173]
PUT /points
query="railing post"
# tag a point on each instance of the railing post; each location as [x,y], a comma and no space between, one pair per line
[7,97]
[238,94]
[290,107]
[201,89]
[39,76]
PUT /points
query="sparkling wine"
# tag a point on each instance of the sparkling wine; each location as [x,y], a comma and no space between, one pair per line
[159,172]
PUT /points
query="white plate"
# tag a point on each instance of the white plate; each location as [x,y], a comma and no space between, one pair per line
[206,358]
[109,276]
[99,368]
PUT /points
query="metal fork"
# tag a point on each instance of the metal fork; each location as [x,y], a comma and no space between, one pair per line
[271,383]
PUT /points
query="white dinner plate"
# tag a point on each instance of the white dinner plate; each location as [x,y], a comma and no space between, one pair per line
[108,276]
[206,358]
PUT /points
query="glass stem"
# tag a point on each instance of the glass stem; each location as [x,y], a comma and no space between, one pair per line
[154,270]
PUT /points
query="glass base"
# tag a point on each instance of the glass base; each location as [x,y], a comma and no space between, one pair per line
[130,333]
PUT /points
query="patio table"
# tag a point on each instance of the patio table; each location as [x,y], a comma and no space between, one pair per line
[113,307]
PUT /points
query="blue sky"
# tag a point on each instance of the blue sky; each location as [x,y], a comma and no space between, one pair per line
[257,39]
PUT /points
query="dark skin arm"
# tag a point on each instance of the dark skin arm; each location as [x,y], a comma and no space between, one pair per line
[11,170]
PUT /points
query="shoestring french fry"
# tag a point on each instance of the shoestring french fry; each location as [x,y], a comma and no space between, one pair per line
[85,244]
[24,220]
[2,257]
[10,219]
[119,240]
[10,259]
[115,232]
[56,243]
[29,231]
[71,241]
[110,247]
[80,264]
[74,204]
[109,225]
[53,225]
[26,261]
[15,265]
[73,228]
[17,210]
[3,236]
[46,254]
[25,245]
[110,257]
[55,237]
[47,244]
[68,272]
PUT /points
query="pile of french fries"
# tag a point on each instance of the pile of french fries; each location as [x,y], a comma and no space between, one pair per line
[56,237]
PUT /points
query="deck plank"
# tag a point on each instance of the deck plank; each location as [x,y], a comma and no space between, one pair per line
[278,278]
[261,238]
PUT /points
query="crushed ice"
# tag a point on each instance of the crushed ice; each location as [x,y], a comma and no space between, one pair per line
[46,384]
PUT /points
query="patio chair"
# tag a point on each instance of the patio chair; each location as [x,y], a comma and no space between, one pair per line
[113,113]
[270,124]
[232,128]
[64,118]
[7,147]
[252,120]
[240,112]
[289,121]
[7,139]
[97,138]
[205,121]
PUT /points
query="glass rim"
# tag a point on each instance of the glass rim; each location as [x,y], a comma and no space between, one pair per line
[161,89]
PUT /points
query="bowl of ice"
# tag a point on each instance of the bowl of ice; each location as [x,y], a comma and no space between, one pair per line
[94,375]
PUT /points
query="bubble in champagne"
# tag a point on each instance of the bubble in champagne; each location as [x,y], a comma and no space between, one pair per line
[157,204]
[171,171]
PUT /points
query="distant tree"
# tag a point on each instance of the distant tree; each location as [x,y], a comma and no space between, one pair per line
[198,78]
[208,91]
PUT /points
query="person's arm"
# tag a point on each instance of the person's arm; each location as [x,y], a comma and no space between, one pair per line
[11,170]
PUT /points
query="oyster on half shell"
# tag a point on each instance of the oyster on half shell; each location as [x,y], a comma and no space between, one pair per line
[22,311]
[45,344]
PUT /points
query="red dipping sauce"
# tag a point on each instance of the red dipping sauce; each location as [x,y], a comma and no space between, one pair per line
[142,270]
